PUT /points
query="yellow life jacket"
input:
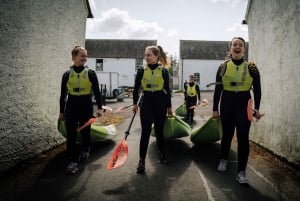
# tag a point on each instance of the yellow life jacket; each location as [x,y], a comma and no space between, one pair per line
[79,83]
[236,78]
[152,79]
[191,91]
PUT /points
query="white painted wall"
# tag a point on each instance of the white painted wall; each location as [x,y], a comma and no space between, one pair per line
[125,67]
[37,38]
[206,68]
[274,41]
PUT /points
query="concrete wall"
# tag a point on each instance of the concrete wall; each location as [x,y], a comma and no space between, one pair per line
[274,40]
[36,40]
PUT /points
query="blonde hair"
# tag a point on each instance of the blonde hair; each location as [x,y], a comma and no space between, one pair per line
[158,51]
[76,50]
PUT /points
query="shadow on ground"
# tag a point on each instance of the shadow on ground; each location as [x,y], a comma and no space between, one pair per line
[158,178]
[54,184]
[224,184]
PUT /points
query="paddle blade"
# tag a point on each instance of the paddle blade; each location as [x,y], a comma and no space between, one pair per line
[119,156]
[119,109]
[250,110]
[89,122]
[107,108]
[192,107]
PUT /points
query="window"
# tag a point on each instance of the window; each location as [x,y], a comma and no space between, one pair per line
[197,78]
[139,64]
[99,64]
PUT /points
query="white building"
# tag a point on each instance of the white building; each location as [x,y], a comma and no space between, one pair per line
[116,61]
[202,59]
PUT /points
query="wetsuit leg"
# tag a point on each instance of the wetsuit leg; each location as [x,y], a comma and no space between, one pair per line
[160,113]
[228,124]
[146,116]
[85,114]
[188,110]
[242,131]
[71,126]
[193,102]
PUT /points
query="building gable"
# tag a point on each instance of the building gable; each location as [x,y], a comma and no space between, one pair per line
[197,49]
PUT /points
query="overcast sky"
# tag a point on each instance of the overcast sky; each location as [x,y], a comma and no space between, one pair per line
[167,21]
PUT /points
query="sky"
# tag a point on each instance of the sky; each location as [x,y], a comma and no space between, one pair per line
[167,21]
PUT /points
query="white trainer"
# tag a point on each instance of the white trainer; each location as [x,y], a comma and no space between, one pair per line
[241,177]
[222,165]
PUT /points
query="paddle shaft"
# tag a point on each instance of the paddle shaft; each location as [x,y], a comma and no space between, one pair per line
[129,127]
[213,83]
[132,118]
[127,106]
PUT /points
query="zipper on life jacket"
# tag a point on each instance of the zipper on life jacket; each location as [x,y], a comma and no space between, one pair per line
[236,77]
[152,81]
[78,84]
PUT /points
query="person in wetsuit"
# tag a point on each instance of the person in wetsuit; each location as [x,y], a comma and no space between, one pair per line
[191,98]
[76,106]
[236,78]
[153,80]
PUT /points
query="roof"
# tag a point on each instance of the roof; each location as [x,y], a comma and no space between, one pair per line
[195,49]
[106,48]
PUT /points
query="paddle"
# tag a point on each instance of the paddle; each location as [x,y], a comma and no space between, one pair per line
[89,122]
[213,83]
[204,102]
[252,113]
[92,120]
[107,108]
[121,152]
[120,109]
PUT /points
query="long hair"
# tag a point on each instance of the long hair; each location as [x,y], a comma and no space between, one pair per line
[158,51]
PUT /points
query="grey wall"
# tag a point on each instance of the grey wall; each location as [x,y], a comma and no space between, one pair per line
[274,40]
[36,39]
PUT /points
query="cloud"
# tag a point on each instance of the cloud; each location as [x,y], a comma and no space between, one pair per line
[172,33]
[116,23]
[233,3]
[92,5]
[237,27]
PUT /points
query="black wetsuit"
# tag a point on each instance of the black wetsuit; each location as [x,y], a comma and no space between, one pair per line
[78,110]
[153,109]
[233,111]
[191,101]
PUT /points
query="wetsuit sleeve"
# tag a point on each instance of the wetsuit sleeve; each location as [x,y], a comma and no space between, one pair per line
[185,94]
[166,77]
[218,89]
[95,87]
[254,73]
[137,85]
[198,92]
[63,92]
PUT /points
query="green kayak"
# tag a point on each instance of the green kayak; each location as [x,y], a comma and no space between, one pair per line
[98,132]
[174,127]
[181,111]
[210,131]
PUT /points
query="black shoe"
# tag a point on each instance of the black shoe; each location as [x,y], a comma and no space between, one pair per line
[141,167]
[162,158]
